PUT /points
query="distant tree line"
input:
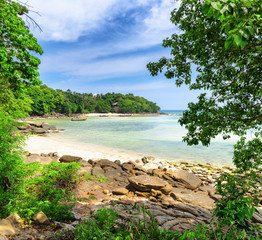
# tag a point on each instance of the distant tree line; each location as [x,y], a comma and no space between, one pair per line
[47,100]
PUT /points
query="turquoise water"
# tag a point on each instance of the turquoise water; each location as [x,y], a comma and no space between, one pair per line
[172,111]
[159,136]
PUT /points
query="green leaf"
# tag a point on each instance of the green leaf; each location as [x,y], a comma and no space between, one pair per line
[251,30]
[228,43]
[205,8]
[237,39]
[243,44]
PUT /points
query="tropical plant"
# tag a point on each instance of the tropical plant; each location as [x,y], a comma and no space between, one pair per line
[221,41]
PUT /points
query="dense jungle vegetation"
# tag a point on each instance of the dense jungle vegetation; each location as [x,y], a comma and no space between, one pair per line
[47,100]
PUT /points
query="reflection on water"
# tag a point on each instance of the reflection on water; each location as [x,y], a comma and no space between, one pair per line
[160,136]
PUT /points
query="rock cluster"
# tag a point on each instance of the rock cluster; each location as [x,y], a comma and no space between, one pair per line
[179,196]
[36,128]
[163,186]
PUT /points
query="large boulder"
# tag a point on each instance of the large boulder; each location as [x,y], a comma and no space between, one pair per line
[146,183]
[190,180]
[105,163]
[69,159]
[193,198]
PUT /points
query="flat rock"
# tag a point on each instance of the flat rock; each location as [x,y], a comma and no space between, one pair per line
[69,158]
[163,219]
[190,180]
[193,198]
[208,189]
[107,163]
[120,191]
[6,227]
[158,172]
[146,183]
[180,224]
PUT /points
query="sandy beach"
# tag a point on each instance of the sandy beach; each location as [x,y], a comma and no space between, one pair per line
[51,143]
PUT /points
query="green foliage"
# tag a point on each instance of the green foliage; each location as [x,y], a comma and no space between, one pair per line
[25,189]
[17,104]
[18,67]
[235,206]
[106,225]
[92,197]
[11,164]
[101,178]
[222,40]
[47,100]
[213,232]
[240,20]
[100,227]
[46,188]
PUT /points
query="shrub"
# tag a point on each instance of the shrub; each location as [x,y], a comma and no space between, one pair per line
[47,188]
[11,164]
[106,225]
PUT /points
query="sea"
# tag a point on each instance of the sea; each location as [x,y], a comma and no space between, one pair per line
[159,136]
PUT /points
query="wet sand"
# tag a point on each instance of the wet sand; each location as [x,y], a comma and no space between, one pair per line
[51,143]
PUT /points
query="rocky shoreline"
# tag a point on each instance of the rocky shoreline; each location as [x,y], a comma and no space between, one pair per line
[62,116]
[36,128]
[179,196]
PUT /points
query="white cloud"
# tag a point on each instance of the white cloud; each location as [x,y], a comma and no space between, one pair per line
[79,65]
[159,19]
[67,20]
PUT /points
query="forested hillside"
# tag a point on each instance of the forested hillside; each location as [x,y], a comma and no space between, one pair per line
[47,100]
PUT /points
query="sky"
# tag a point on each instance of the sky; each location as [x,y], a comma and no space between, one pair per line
[100,46]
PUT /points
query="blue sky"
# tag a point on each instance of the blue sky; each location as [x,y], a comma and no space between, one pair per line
[100,46]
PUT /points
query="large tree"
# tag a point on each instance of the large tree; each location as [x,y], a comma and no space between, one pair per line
[222,40]
[18,70]
[18,63]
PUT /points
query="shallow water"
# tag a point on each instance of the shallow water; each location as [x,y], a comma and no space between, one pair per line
[159,136]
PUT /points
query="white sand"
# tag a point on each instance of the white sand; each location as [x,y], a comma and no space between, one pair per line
[50,143]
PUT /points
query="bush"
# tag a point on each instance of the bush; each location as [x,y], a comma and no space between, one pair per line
[11,164]
[105,225]
[47,188]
